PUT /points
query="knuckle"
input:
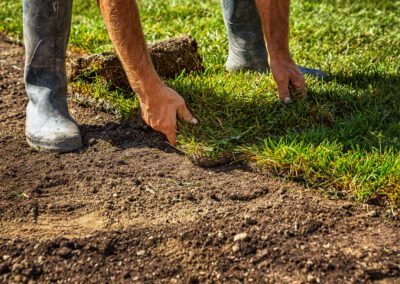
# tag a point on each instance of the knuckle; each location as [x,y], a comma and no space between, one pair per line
[283,90]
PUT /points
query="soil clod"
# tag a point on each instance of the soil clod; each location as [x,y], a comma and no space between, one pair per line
[170,57]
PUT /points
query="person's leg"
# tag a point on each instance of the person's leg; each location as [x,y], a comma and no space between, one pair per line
[247,49]
[46,30]
[246,39]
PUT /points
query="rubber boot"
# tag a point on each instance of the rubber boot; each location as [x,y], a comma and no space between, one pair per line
[49,125]
[247,50]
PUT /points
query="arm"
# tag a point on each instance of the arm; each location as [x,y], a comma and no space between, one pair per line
[160,105]
[274,16]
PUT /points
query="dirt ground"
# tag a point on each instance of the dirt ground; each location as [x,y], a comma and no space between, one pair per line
[129,208]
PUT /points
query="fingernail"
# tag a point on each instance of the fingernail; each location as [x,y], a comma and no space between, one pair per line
[287,99]
[194,121]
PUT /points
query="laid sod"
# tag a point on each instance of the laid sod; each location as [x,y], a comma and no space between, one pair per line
[343,139]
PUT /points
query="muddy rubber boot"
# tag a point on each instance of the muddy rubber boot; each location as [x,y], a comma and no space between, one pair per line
[247,49]
[49,125]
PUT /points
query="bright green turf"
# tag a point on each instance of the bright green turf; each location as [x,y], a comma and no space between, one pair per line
[344,139]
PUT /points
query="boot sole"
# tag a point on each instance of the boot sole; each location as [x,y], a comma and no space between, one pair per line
[68,145]
[232,65]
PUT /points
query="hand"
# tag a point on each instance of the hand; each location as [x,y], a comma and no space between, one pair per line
[161,109]
[288,77]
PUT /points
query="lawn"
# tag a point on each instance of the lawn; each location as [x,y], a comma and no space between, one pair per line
[342,140]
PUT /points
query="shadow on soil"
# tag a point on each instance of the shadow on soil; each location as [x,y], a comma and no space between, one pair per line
[124,136]
[134,134]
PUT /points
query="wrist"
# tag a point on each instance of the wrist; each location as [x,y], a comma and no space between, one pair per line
[280,54]
[150,89]
[280,58]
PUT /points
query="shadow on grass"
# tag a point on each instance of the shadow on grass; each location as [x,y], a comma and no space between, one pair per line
[367,115]
[361,111]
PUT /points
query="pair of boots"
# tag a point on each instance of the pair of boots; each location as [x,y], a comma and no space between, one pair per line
[49,125]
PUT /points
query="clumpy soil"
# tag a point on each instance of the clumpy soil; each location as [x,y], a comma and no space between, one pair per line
[170,57]
[129,208]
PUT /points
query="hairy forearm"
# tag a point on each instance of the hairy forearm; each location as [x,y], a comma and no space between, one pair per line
[274,16]
[123,24]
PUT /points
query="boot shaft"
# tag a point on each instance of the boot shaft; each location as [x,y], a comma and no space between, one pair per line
[46,29]
[243,24]
[46,32]
[247,50]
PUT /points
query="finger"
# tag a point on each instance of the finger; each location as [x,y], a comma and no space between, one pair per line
[303,91]
[171,136]
[299,84]
[185,115]
[283,91]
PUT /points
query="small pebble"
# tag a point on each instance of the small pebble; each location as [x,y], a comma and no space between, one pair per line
[141,253]
[6,257]
[372,213]
[235,248]
[64,252]
[388,212]
[241,237]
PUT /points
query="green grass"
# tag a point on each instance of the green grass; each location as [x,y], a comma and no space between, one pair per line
[343,139]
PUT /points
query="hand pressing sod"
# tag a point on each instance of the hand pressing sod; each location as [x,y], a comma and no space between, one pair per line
[288,77]
[161,112]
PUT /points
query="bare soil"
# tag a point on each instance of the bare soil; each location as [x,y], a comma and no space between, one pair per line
[129,208]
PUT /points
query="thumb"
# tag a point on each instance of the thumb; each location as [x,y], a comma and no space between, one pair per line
[283,91]
[185,115]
